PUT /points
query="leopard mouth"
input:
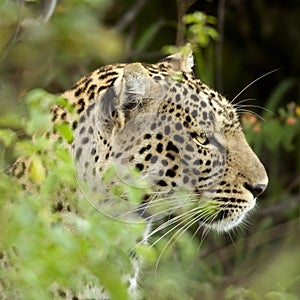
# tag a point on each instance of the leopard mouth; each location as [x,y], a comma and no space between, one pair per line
[225,224]
[222,217]
[219,214]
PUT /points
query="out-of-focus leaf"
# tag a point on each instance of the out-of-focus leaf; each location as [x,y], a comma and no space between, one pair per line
[7,137]
[148,35]
[37,171]
[65,131]
[277,95]
[273,130]
[290,133]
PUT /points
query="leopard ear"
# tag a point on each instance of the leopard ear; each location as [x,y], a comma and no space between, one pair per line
[182,61]
[131,90]
[136,83]
[108,113]
[137,87]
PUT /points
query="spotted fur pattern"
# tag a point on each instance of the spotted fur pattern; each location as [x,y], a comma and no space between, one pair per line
[175,130]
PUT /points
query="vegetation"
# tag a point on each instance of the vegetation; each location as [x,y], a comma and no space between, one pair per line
[45,46]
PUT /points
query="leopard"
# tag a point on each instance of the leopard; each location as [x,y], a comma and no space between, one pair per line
[173,128]
[175,132]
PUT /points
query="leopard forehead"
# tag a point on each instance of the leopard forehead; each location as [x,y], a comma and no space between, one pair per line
[173,128]
[193,98]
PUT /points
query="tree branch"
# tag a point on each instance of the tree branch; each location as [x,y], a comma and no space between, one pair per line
[48,10]
[219,45]
[283,205]
[130,15]
[182,8]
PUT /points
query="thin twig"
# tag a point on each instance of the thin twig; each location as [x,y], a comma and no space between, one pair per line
[219,45]
[130,15]
[182,8]
[49,8]
[278,209]
[17,30]
[255,240]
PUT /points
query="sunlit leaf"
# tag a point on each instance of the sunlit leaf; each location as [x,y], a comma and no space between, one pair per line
[7,137]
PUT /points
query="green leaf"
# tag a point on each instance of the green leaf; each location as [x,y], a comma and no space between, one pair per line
[11,120]
[273,130]
[277,95]
[37,171]
[65,131]
[290,132]
[7,137]
[148,253]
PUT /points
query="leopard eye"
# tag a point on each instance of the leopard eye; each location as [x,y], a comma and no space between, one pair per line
[200,138]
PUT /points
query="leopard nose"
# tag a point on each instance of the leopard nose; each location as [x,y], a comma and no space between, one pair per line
[256,189]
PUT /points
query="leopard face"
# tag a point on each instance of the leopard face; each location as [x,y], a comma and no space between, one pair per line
[175,130]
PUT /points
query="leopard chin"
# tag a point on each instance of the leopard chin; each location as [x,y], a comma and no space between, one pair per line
[228,216]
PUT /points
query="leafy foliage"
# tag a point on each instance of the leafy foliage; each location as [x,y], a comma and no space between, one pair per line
[201,33]
[46,247]
[49,243]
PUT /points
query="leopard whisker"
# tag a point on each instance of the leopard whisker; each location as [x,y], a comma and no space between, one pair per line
[254,106]
[169,202]
[196,211]
[243,110]
[251,83]
[207,228]
[170,222]
[183,222]
[178,234]
[152,204]
[242,101]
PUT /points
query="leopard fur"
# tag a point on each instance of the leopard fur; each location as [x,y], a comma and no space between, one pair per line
[177,132]
[170,126]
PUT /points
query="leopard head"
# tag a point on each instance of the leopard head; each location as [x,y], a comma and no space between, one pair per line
[180,135]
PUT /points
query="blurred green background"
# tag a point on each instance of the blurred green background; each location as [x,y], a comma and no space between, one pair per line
[45,46]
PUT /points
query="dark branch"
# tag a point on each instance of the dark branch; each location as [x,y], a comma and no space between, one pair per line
[130,15]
